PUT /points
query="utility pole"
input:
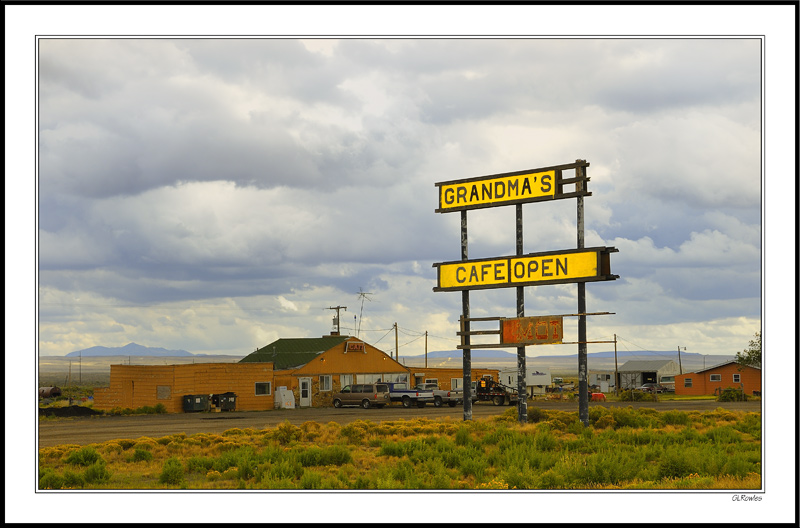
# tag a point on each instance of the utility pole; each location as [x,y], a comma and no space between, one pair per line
[583,387]
[616,369]
[426,349]
[396,348]
[337,308]
[522,389]
[680,367]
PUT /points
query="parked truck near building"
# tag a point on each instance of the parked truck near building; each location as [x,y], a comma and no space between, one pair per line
[486,389]
[451,397]
[399,392]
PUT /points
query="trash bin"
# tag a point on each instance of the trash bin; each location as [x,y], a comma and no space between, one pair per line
[227,401]
[195,403]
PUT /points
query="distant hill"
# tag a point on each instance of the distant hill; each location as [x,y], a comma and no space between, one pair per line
[131,349]
[502,354]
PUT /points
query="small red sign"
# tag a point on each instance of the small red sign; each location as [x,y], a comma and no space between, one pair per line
[541,330]
[355,346]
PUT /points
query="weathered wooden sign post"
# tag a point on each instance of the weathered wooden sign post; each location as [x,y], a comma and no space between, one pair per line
[579,266]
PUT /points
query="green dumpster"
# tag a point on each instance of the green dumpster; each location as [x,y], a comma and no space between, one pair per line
[195,403]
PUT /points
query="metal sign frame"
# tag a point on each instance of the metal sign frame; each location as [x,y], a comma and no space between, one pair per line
[486,191]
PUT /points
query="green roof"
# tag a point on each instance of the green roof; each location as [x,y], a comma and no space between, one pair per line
[293,352]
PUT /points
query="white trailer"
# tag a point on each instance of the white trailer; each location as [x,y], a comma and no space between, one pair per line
[536,379]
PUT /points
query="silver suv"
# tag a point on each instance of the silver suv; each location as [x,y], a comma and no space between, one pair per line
[365,395]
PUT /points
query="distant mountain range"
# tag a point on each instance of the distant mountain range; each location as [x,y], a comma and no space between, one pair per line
[502,354]
[131,349]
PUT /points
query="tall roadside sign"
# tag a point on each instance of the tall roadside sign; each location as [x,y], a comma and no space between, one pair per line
[579,265]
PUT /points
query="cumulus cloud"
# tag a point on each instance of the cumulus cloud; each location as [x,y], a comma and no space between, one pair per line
[185,182]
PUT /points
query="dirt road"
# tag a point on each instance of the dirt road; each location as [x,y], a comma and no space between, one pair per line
[96,429]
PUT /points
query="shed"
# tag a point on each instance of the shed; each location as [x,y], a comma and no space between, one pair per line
[603,379]
[634,373]
[720,377]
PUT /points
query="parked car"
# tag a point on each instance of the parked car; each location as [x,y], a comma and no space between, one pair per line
[652,387]
[365,395]
[399,392]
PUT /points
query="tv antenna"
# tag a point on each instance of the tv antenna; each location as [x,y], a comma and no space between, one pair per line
[362,295]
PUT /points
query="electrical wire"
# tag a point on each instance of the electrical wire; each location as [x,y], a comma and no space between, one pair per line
[653,352]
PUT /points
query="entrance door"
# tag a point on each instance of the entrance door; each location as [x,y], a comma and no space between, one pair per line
[305,392]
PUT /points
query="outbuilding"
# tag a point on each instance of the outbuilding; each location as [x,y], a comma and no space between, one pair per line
[634,373]
[715,379]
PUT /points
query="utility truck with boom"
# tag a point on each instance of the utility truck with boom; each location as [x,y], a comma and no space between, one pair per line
[486,389]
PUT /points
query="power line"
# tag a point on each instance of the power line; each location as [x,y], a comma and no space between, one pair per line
[644,349]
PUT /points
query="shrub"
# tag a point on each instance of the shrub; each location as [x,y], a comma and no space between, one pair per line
[50,480]
[287,433]
[141,455]
[634,395]
[199,464]
[675,418]
[724,435]
[126,443]
[85,456]
[675,464]
[97,472]
[536,415]
[172,472]
[731,394]
[463,436]
[72,479]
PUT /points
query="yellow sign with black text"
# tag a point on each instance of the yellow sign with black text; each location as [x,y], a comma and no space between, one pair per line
[554,267]
[498,190]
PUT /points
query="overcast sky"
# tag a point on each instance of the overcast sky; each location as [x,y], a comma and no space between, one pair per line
[214,195]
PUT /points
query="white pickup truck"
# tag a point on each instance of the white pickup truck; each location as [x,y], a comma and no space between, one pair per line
[399,392]
[441,396]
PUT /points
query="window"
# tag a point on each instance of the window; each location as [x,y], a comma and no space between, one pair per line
[456,383]
[345,380]
[737,378]
[263,388]
[716,377]
[432,380]
[687,382]
[325,382]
